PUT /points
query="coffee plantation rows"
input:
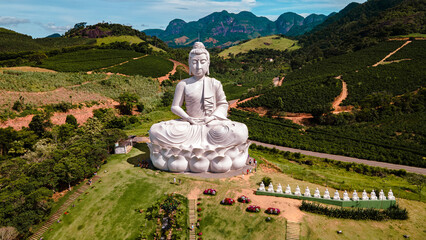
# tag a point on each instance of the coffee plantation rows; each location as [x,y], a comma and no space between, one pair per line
[87,60]
[397,139]
[149,66]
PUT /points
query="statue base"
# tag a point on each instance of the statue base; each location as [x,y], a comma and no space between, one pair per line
[199,159]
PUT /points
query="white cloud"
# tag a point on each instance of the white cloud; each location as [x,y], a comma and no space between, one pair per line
[51,27]
[12,21]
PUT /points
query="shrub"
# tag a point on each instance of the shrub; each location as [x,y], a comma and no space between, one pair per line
[393,212]
[274,211]
[253,208]
[266,180]
[227,201]
[244,199]
[210,191]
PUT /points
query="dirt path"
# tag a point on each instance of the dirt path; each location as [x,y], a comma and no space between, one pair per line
[175,65]
[277,81]
[339,99]
[390,54]
[346,159]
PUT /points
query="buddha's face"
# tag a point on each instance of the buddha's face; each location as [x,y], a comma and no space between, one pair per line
[199,65]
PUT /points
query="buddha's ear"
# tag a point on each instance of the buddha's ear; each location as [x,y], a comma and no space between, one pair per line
[208,68]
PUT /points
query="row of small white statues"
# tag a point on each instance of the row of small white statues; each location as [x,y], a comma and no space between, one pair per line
[327,194]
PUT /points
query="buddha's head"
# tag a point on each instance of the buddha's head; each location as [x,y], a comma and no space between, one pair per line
[199,60]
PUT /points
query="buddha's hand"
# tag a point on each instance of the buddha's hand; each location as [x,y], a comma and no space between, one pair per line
[195,121]
[209,119]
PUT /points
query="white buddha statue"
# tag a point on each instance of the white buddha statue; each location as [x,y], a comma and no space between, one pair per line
[346,196]
[297,192]
[203,139]
[326,194]
[355,196]
[279,188]
[373,195]
[270,188]
[288,189]
[382,195]
[365,195]
[317,193]
[307,192]
[261,187]
[390,195]
[336,195]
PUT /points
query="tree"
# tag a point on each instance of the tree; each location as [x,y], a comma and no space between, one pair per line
[167,98]
[71,120]
[127,102]
[419,181]
[39,123]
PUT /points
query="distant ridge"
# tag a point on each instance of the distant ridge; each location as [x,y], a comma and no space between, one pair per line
[224,29]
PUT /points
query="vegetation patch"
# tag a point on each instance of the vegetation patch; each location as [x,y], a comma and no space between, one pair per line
[86,60]
[150,66]
[275,42]
[394,212]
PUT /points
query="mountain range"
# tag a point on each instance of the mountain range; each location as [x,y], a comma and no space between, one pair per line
[223,29]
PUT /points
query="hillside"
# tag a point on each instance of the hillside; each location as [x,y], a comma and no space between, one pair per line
[224,29]
[13,42]
[274,42]
[361,25]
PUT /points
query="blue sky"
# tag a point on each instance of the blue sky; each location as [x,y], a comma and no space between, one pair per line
[39,18]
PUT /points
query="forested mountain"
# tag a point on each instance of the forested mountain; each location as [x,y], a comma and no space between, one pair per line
[224,29]
[358,26]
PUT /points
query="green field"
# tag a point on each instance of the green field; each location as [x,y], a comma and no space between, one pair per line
[272,42]
[124,38]
[150,66]
[86,60]
[42,82]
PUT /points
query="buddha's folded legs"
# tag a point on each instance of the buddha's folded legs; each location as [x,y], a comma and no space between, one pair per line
[218,146]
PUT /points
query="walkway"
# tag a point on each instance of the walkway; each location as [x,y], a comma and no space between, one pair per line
[293,230]
[417,170]
[54,218]
[192,218]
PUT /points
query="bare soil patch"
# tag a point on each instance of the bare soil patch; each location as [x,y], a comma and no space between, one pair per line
[175,65]
[289,207]
[27,69]
[59,118]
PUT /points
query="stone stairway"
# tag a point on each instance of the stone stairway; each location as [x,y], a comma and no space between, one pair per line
[192,218]
[293,230]
[54,218]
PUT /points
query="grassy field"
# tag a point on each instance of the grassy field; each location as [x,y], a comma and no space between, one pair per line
[86,60]
[273,42]
[108,209]
[124,38]
[150,66]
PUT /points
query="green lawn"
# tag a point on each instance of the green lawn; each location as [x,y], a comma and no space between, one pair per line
[108,209]
[272,42]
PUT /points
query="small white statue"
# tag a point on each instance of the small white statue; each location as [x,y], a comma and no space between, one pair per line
[261,187]
[288,189]
[297,192]
[382,195]
[317,193]
[390,195]
[270,188]
[373,195]
[307,192]
[346,196]
[355,196]
[365,195]
[326,194]
[336,195]
[279,188]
